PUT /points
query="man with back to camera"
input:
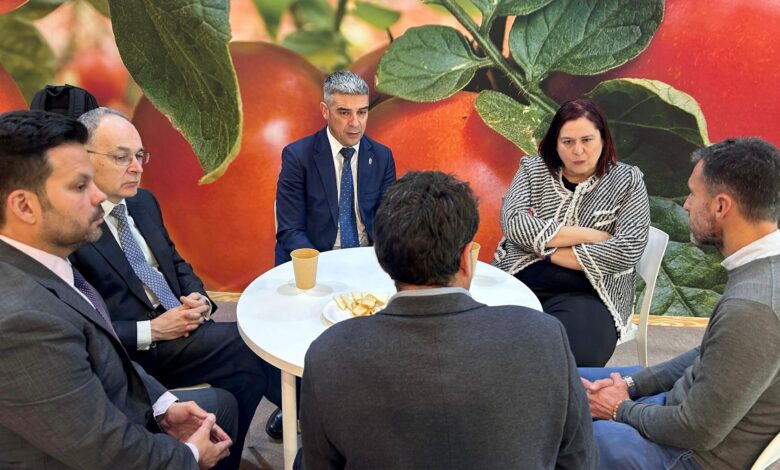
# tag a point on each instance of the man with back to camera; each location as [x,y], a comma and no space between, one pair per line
[158,305]
[313,208]
[436,379]
[71,397]
[718,405]
[331,182]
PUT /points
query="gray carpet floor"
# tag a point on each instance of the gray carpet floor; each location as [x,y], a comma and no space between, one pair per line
[263,453]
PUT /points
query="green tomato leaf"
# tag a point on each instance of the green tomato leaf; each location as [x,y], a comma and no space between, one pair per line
[671,218]
[324,48]
[583,37]
[690,282]
[654,127]
[177,51]
[37,9]
[312,14]
[101,6]
[520,124]
[25,54]
[375,15]
[428,63]
[271,11]
[492,9]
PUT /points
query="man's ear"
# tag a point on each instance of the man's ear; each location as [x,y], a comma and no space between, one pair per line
[23,205]
[724,206]
[324,110]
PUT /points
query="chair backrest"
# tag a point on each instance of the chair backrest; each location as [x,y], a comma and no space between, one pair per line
[648,267]
[770,455]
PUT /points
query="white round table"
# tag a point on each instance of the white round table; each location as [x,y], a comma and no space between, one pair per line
[279,322]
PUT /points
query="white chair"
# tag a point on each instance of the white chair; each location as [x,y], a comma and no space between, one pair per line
[769,456]
[648,268]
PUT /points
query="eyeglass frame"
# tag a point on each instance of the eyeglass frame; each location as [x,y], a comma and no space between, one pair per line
[145,156]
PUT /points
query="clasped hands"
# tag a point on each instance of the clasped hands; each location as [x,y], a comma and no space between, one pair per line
[605,394]
[189,423]
[180,321]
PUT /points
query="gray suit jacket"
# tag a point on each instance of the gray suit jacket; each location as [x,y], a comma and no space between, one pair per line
[445,382]
[70,397]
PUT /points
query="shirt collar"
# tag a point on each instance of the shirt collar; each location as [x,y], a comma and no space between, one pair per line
[108,206]
[431,291]
[335,145]
[768,245]
[59,266]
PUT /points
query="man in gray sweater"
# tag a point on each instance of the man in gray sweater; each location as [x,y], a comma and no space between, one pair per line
[718,405]
[438,380]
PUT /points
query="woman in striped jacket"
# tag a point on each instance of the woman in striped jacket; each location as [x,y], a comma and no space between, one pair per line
[575,224]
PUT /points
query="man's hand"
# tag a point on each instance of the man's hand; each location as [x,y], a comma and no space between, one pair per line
[177,322]
[195,300]
[187,422]
[604,394]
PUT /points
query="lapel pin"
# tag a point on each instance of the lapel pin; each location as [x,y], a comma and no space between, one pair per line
[369,160]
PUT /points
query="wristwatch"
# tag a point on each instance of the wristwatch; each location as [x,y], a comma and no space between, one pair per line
[631,385]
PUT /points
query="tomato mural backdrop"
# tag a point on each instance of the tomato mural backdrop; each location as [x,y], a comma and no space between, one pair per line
[468,91]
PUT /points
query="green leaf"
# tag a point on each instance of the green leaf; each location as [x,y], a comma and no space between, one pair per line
[690,282]
[671,218]
[375,15]
[177,51]
[312,14]
[324,48]
[492,9]
[271,11]
[25,54]
[101,6]
[654,127]
[37,9]
[428,63]
[520,124]
[583,37]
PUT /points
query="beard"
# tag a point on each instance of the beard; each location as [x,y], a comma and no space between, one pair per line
[69,233]
[706,235]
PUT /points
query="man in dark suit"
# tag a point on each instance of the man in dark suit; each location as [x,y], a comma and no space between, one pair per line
[436,379]
[158,306]
[332,182]
[71,397]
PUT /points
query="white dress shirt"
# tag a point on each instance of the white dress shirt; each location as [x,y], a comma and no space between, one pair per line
[764,247]
[62,268]
[143,328]
[338,163]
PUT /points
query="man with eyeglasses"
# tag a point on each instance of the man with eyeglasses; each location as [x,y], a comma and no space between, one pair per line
[158,306]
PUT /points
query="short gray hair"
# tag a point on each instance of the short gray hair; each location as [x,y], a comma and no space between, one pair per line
[345,83]
[91,119]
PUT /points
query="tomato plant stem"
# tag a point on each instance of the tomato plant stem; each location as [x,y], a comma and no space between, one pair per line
[341,9]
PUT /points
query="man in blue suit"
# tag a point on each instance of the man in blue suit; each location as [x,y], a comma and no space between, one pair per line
[332,182]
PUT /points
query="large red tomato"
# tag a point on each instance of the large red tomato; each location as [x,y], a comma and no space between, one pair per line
[226,228]
[366,67]
[10,96]
[724,53]
[10,5]
[102,73]
[450,136]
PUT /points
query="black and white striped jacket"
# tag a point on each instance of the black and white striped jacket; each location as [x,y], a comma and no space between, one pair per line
[537,205]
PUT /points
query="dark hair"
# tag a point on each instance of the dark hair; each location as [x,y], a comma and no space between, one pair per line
[425,220]
[25,136]
[749,170]
[570,111]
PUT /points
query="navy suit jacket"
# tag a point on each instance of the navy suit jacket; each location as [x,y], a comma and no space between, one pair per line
[104,265]
[307,198]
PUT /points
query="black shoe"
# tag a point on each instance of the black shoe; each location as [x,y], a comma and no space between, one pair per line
[273,427]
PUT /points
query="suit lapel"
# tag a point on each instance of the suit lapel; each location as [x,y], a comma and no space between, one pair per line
[155,240]
[365,170]
[109,248]
[323,161]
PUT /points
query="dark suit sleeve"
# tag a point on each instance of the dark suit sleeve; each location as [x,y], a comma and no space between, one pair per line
[52,398]
[188,281]
[578,447]
[291,204]
[389,177]
[318,452]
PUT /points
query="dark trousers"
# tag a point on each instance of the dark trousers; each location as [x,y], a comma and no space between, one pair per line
[215,354]
[567,295]
[224,406]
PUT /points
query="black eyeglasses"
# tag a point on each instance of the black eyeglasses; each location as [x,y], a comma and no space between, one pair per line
[125,159]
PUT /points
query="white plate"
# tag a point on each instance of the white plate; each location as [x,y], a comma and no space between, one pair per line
[333,314]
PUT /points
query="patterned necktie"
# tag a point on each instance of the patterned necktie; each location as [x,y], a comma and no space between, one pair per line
[347,222]
[149,276]
[90,293]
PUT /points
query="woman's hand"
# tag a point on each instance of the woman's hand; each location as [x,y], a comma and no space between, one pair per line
[571,235]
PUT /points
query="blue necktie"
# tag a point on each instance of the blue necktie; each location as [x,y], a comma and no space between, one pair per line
[347,222]
[149,276]
[89,292]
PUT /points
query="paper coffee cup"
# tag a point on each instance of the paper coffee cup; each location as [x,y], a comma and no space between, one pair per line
[474,255]
[305,267]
